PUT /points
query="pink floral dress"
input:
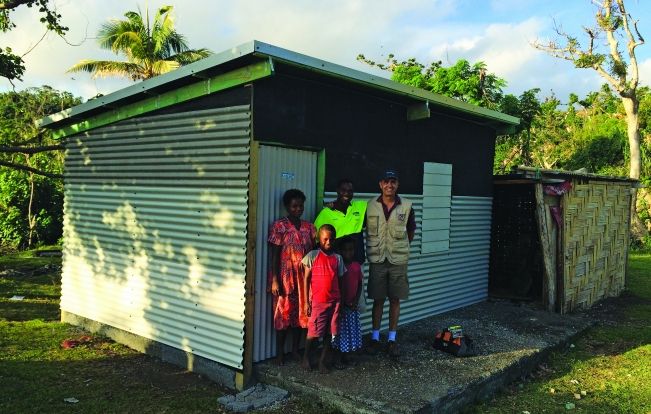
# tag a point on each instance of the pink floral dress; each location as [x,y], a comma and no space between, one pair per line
[294,245]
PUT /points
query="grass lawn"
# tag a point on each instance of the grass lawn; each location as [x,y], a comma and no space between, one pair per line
[37,373]
[608,368]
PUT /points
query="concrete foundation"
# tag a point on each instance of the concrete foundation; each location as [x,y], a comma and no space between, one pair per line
[511,341]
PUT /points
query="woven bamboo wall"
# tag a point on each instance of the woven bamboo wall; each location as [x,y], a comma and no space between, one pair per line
[596,215]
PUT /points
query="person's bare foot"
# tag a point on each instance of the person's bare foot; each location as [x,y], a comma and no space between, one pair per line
[305,364]
[323,369]
[296,356]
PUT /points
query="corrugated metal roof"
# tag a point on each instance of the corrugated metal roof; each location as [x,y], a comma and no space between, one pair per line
[533,173]
[262,51]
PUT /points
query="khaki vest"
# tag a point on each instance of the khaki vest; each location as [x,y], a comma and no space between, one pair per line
[387,239]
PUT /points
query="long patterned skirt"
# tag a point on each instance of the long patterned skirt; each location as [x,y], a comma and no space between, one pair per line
[350,331]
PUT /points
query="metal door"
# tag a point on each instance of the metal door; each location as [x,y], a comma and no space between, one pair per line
[279,170]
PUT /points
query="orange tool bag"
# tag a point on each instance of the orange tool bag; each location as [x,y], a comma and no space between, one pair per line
[453,341]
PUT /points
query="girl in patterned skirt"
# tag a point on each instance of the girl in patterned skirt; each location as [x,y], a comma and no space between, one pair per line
[350,331]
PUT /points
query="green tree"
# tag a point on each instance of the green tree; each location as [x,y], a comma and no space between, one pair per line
[619,67]
[467,82]
[529,108]
[30,167]
[151,48]
[551,134]
[516,149]
[12,66]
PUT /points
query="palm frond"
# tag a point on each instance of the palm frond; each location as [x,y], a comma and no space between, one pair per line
[105,68]
[150,49]
[163,66]
[190,56]
[167,41]
[110,30]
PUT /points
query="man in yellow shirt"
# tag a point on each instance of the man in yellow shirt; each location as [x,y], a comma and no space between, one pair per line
[346,215]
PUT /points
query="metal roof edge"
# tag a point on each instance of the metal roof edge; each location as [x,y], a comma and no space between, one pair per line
[256,47]
[333,69]
[532,172]
[193,69]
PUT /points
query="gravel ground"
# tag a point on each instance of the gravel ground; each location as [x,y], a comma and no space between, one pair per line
[503,333]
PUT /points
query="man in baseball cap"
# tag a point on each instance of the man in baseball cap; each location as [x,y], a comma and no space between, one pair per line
[390,228]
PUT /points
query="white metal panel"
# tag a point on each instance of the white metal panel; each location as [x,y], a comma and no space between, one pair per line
[279,170]
[446,280]
[155,229]
[436,202]
[437,168]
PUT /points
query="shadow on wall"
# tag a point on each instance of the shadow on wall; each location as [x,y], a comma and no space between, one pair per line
[155,230]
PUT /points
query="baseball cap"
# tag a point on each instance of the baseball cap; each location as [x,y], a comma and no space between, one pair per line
[388,174]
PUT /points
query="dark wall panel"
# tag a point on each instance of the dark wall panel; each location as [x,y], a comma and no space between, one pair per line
[363,135]
[230,97]
[469,147]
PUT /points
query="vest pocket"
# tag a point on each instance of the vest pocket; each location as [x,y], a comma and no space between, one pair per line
[398,231]
[401,247]
[372,242]
[372,225]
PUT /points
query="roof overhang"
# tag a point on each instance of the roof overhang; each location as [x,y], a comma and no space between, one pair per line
[252,53]
[523,175]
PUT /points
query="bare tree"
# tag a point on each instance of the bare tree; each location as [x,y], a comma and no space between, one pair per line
[615,64]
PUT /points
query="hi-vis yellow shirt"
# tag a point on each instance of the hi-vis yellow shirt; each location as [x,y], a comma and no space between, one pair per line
[345,224]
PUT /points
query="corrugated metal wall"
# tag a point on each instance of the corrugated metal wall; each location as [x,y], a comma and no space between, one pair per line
[155,229]
[279,170]
[450,279]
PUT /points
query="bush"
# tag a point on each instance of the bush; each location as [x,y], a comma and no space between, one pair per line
[14,203]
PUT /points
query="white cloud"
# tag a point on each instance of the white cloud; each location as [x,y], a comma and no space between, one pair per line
[644,68]
[336,30]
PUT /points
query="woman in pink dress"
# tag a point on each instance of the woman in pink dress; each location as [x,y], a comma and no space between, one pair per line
[290,239]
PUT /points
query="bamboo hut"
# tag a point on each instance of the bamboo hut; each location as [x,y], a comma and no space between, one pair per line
[559,237]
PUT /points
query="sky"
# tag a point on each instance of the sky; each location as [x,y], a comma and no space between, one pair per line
[497,32]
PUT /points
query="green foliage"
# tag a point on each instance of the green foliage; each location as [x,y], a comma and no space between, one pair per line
[592,135]
[11,65]
[413,73]
[600,146]
[13,197]
[644,94]
[586,60]
[516,149]
[151,48]
[18,112]
[507,153]
[47,207]
[467,82]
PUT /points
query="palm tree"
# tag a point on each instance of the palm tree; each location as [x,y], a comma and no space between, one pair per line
[150,50]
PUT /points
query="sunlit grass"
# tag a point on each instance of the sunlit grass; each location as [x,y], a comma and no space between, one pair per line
[609,367]
[608,370]
[37,373]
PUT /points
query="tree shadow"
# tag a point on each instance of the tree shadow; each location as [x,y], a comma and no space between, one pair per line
[155,245]
[26,310]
